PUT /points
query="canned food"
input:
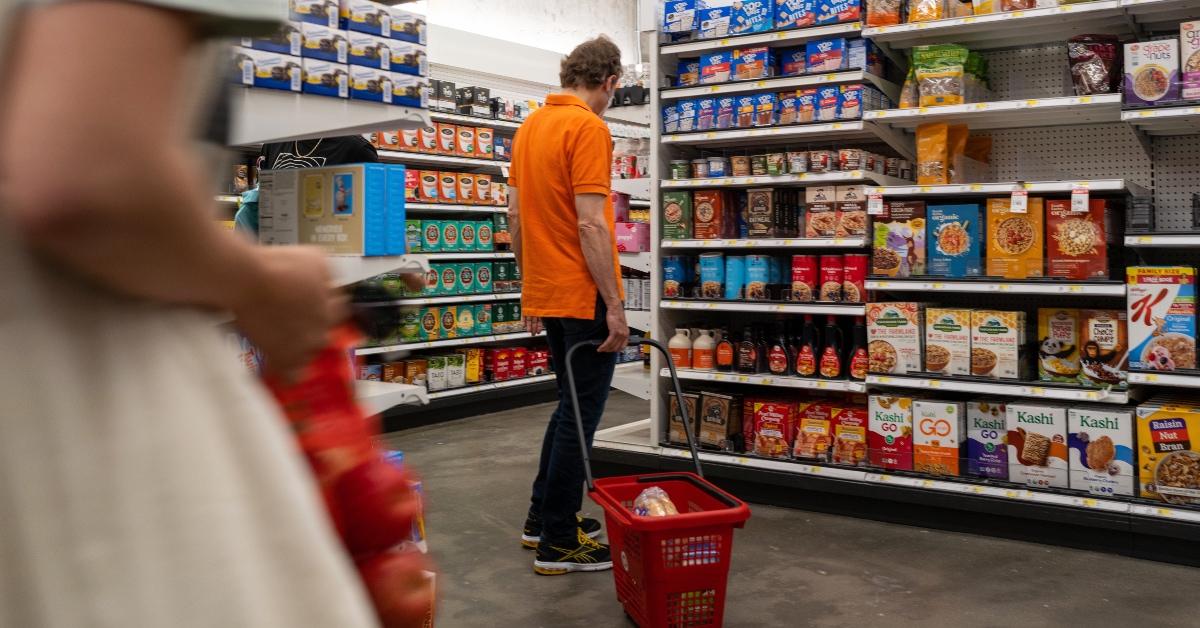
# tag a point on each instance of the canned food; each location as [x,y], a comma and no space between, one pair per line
[797,162]
[718,167]
[735,276]
[776,164]
[832,277]
[849,159]
[712,275]
[674,276]
[680,169]
[740,166]
[758,165]
[758,277]
[820,160]
[699,168]
[804,278]
[854,281]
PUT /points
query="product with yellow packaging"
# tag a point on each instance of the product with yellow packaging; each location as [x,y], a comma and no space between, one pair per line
[1168,436]
[940,73]
[937,439]
[1014,238]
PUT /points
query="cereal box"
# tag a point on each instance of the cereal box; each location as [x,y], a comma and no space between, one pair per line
[676,434]
[938,435]
[774,428]
[1058,345]
[851,211]
[899,240]
[955,240]
[849,435]
[1162,317]
[431,321]
[987,455]
[677,215]
[709,214]
[890,432]
[1037,444]
[1168,436]
[1077,242]
[795,13]
[1014,248]
[814,435]
[720,419]
[716,67]
[752,16]
[997,344]
[1103,348]
[1151,72]
[1100,441]
[820,220]
[894,337]
[1189,57]
[948,341]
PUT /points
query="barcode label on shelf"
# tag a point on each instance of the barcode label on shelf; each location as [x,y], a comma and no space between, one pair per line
[875,204]
[1019,204]
[1079,199]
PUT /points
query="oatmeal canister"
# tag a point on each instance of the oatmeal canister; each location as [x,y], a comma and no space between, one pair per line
[832,276]
[712,275]
[674,276]
[758,277]
[735,276]
[854,282]
[804,278]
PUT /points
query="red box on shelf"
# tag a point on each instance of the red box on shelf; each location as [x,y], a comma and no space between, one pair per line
[497,364]
[520,363]
[539,362]
[632,237]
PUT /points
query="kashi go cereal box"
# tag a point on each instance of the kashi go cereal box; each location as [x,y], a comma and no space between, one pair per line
[1101,449]
[1077,242]
[987,435]
[939,427]
[890,432]
[849,425]
[814,434]
[1162,317]
[1168,436]
[774,429]
[1037,444]
[948,341]
[998,344]
[899,240]
[1058,345]
[894,334]
[1014,238]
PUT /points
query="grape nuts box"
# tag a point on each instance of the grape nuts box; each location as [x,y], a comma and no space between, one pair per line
[1037,444]
[1101,450]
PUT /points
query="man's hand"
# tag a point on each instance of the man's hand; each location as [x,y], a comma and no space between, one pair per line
[618,329]
[533,325]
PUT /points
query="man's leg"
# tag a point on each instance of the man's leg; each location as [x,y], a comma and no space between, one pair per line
[554,337]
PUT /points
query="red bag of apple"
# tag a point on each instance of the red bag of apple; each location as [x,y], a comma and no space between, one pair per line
[368,498]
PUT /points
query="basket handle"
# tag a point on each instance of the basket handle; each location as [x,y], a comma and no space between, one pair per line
[583,448]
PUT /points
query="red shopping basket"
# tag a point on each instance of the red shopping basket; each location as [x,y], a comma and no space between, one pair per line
[670,572]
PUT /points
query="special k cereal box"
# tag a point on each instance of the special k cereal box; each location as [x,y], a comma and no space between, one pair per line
[1014,239]
[814,433]
[894,337]
[849,435]
[987,454]
[948,341]
[1037,444]
[938,432]
[889,432]
[998,344]
[1162,317]
[1101,449]
[1168,436]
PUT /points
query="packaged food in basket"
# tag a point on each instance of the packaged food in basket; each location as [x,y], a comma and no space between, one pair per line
[720,419]
[937,439]
[1168,436]
[1162,317]
[1077,242]
[849,425]
[899,240]
[814,435]
[998,344]
[948,341]
[954,237]
[890,439]
[676,434]
[894,337]
[677,215]
[1014,239]
[987,454]
[1103,348]
[774,428]
[1037,444]
[1101,449]
[1058,345]
[654,502]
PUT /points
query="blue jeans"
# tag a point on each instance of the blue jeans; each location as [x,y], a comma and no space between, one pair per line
[558,489]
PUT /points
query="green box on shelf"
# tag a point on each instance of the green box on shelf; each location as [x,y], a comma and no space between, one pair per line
[485,236]
[677,215]
[501,277]
[468,234]
[483,278]
[483,319]
[413,236]
[500,318]
[448,286]
[466,278]
[451,240]
[431,236]
[465,328]
[410,324]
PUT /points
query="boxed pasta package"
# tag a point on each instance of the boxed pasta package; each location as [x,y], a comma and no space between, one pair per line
[1152,72]
[890,432]
[894,334]
[937,439]
[1168,436]
[1058,345]
[954,239]
[1037,444]
[1014,249]
[1077,242]
[1162,317]
[1101,449]
[899,240]
[948,341]
[998,344]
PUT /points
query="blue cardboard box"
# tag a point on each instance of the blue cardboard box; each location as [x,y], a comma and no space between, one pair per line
[765,106]
[679,16]
[793,61]
[325,78]
[751,64]
[850,102]
[369,50]
[716,67]
[373,18]
[726,112]
[789,105]
[827,102]
[670,118]
[837,11]
[687,115]
[706,114]
[714,23]
[744,111]
[324,12]
[370,84]
[397,219]
[410,91]
[269,69]
[954,237]
[753,16]
[826,55]
[795,13]
[863,54]
[409,58]
[343,209]
[321,42]
[688,73]
[807,107]
[285,41]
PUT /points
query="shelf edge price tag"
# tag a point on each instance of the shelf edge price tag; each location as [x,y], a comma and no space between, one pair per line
[875,204]
[1079,199]
[1019,202]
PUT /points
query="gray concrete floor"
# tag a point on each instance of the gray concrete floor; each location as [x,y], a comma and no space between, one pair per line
[790,567]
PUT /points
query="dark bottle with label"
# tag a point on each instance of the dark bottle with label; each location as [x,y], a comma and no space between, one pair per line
[726,352]
[809,349]
[858,358]
[833,362]
[747,352]
[762,348]
[779,355]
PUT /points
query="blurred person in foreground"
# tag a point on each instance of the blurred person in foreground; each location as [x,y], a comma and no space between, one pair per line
[146,479]
[561,220]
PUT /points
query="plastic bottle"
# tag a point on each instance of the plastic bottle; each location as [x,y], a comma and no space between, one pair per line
[858,359]
[779,355]
[704,351]
[680,347]
[833,361]
[747,352]
[809,350]
[726,352]
[762,348]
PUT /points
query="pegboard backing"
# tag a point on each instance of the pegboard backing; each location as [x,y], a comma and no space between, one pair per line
[1090,151]
[1037,72]
[1176,178]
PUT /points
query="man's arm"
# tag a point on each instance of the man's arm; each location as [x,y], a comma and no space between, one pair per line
[596,242]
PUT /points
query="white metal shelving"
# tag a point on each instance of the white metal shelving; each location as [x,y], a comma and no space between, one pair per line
[1008,114]
[347,270]
[837,309]
[811,132]
[1165,120]
[637,261]
[1179,380]
[376,397]
[767,380]
[632,378]
[1011,28]
[999,387]
[440,208]
[1038,187]
[639,319]
[407,157]
[1164,240]
[1016,286]
[465,255]
[783,83]
[771,39]
[508,383]
[458,118]
[450,342]
[803,178]
[461,298]
[785,243]
[639,188]
[269,115]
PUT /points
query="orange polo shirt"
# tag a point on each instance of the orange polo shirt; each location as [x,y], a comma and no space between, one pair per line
[561,150]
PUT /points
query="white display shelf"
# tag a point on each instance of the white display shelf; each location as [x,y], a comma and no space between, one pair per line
[633,187]
[270,115]
[347,270]
[1039,187]
[465,255]
[798,243]
[638,203]
[451,342]
[1165,121]
[803,178]
[406,157]
[458,118]
[632,378]
[1012,28]
[813,132]
[768,380]
[508,383]
[1010,287]
[376,397]
[781,308]
[998,387]
[229,198]
[1160,15]
[462,298]
[772,39]
[783,83]
[454,209]
[637,261]
[1166,379]
[1008,114]
[639,319]
[631,114]
[1164,240]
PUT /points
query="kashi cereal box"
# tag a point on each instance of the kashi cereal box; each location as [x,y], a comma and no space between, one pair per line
[814,434]
[1058,345]
[890,432]
[849,435]
[1037,444]
[939,427]
[1168,437]
[1162,317]
[774,428]
[997,344]
[1014,239]
[894,337]
[948,341]
[1101,449]
[1077,242]
[987,455]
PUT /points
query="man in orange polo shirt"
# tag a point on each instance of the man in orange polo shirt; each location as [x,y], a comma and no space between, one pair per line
[561,220]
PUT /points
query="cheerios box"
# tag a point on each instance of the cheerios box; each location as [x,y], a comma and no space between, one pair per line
[890,432]
[272,70]
[954,240]
[1168,441]
[987,435]
[939,429]
[1101,449]
[1037,444]
[1151,72]
[1162,317]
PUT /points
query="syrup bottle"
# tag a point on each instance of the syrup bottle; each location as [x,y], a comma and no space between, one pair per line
[858,358]
[779,355]
[809,349]
[832,363]
[747,352]
[726,352]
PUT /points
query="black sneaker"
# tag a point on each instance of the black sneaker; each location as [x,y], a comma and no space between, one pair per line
[582,555]
[532,533]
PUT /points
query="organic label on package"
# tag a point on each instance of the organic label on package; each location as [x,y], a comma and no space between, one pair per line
[1037,444]
[677,215]
[987,455]
[1101,450]
[937,438]
[894,337]
[1014,248]
[955,241]
[890,435]
[948,341]
[1169,452]
[1162,317]
[1077,242]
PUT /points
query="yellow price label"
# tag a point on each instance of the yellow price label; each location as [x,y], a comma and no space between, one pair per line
[882,284]
[1032,102]
[1085,99]
[977,489]
[802,176]
[1165,512]
[1151,378]
[922,110]
[1075,288]
[1144,239]
[1090,503]
[976,187]
[1010,494]
[927,483]
[885,380]
[836,125]
[883,478]
[743,461]
[718,377]
[1093,396]
[710,135]
[1003,287]
[724,42]
[822,384]
[933,383]
[743,379]
[814,470]
[714,89]
[767,381]
[968,20]
[1017,14]
[1145,114]
[937,286]
[925,189]
[1037,390]
[980,106]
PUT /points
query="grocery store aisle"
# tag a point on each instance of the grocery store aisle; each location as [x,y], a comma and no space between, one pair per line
[791,568]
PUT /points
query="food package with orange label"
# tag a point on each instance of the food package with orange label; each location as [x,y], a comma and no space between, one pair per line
[890,432]
[938,436]
[894,334]
[484,142]
[1014,238]
[814,435]
[774,428]
[427,139]
[708,211]
[1037,444]
[1168,438]
[998,344]
[447,138]
[464,143]
[465,188]
[427,191]
[849,435]
[1101,450]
